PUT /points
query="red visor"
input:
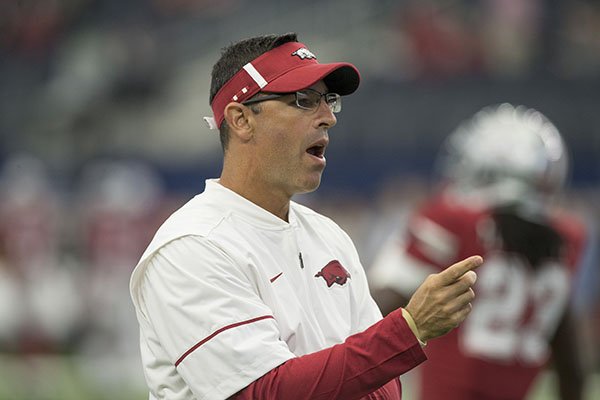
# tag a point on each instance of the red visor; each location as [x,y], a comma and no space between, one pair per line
[286,68]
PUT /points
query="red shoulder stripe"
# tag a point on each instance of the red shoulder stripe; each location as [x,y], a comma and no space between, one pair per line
[215,333]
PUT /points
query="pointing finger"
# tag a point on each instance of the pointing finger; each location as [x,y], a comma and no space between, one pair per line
[454,272]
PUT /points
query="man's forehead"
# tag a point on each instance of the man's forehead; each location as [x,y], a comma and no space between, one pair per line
[319,86]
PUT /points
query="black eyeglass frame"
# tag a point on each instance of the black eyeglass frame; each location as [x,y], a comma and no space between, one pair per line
[333,100]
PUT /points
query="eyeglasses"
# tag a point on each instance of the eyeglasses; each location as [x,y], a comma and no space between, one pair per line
[307,99]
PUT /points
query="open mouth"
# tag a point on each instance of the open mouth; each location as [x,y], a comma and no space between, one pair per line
[316,151]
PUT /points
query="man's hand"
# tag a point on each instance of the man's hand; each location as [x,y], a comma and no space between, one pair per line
[443,300]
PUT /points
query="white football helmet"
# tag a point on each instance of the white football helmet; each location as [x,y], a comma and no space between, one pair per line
[505,154]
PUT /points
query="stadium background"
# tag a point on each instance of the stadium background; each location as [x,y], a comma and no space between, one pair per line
[101,136]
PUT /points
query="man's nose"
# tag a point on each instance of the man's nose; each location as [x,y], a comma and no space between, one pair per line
[325,114]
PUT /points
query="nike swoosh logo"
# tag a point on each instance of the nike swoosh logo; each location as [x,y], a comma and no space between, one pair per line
[275,277]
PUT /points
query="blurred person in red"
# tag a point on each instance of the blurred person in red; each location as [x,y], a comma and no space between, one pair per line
[501,170]
[40,310]
[120,202]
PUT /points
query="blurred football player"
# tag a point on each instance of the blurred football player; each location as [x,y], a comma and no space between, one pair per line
[501,170]
[120,202]
[40,311]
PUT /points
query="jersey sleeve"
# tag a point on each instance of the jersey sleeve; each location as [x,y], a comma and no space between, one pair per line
[396,269]
[208,318]
[363,367]
[438,234]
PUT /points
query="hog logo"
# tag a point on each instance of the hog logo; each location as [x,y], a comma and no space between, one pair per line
[304,53]
[333,272]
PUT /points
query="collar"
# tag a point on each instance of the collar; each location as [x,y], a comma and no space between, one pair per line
[243,208]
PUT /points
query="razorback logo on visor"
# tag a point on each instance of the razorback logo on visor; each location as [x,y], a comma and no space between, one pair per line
[333,272]
[304,53]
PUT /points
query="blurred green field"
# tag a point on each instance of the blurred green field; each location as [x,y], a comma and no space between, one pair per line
[87,378]
[70,378]
[545,387]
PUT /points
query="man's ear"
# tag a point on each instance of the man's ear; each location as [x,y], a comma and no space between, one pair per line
[238,118]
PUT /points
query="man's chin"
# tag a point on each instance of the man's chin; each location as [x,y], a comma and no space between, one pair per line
[310,186]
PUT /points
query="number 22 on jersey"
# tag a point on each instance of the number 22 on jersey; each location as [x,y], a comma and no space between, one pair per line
[517,310]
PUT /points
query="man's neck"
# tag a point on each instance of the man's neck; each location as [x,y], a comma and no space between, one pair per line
[276,203]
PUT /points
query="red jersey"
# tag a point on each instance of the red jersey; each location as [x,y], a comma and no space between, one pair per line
[504,343]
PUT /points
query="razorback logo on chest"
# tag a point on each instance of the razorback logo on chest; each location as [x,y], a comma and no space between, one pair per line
[334,272]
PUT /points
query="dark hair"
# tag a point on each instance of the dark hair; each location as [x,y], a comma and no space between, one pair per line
[535,240]
[234,57]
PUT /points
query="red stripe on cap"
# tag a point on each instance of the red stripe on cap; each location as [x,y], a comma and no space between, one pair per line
[269,65]
[212,335]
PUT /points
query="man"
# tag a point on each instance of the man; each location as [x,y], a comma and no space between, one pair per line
[245,294]
[501,169]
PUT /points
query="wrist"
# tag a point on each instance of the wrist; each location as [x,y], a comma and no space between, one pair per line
[413,326]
